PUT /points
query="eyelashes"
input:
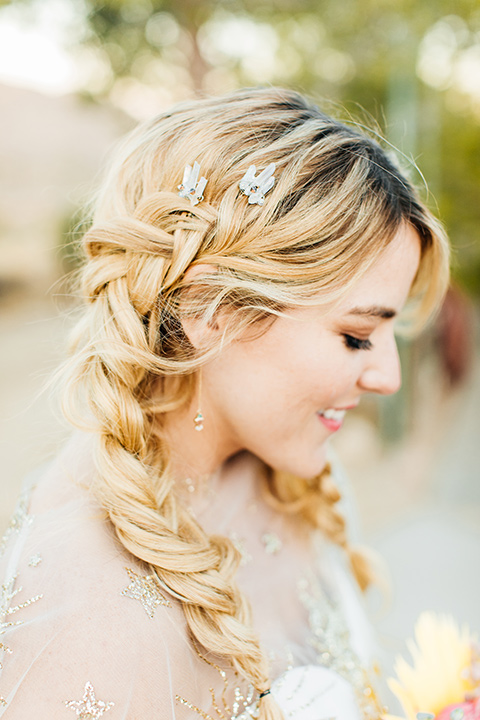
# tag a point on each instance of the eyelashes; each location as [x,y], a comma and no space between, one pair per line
[354,343]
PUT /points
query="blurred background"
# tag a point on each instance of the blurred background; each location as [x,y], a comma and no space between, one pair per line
[75,75]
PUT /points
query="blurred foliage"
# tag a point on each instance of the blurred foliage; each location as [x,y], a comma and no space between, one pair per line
[73,226]
[411,68]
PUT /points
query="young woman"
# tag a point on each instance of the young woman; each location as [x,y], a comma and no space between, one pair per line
[183,556]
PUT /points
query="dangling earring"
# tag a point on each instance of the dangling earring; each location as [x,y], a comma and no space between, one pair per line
[198,419]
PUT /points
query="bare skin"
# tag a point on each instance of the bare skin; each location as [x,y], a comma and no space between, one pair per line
[267,395]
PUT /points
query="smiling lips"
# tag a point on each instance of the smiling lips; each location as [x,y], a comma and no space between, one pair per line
[332,419]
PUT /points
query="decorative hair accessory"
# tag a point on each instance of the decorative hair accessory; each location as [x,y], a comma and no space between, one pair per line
[264,694]
[191,186]
[256,187]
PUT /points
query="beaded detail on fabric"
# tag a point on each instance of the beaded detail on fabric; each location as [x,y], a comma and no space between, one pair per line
[145,589]
[243,707]
[331,640]
[35,560]
[7,593]
[20,519]
[271,543]
[89,708]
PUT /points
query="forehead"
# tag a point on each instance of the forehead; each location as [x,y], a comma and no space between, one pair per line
[387,283]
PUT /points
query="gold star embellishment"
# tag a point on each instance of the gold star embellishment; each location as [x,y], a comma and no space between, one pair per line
[145,589]
[89,708]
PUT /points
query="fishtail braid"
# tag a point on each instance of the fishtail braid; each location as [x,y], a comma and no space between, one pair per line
[337,202]
[124,289]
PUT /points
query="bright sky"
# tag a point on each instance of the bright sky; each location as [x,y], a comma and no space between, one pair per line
[35,41]
[33,53]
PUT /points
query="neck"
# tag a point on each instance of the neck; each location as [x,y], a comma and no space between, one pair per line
[196,454]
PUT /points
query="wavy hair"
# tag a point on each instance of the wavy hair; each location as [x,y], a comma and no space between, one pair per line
[337,203]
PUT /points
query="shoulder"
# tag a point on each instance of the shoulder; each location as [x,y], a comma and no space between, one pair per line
[82,621]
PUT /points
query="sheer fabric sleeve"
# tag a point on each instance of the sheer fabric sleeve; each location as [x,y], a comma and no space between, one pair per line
[84,631]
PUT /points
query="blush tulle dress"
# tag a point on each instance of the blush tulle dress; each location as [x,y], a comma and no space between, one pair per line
[85,632]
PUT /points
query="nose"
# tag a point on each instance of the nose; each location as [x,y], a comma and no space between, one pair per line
[382,374]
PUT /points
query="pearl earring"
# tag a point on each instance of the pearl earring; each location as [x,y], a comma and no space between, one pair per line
[198,419]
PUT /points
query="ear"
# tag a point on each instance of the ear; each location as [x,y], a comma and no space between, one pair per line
[199,332]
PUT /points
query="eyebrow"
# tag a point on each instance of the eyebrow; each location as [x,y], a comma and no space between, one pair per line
[374,311]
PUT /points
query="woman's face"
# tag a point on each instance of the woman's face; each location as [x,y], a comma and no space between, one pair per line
[284,394]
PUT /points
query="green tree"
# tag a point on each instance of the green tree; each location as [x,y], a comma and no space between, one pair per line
[413,68]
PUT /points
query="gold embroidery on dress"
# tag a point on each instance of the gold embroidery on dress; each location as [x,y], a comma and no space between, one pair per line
[5,649]
[7,610]
[145,589]
[89,708]
[331,641]
[20,519]
[244,706]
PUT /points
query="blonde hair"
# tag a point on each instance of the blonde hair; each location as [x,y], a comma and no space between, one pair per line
[337,203]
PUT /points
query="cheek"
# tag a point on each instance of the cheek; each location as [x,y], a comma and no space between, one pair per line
[275,383]
[336,379]
[324,378]
[256,394]
[303,375]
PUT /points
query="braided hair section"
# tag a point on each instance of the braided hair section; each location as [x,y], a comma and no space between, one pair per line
[125,344]
[337,203]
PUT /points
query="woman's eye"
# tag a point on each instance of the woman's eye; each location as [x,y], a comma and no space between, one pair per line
[354,343]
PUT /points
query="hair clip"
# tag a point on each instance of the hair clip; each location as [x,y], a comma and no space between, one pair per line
[191,186]
[256,187]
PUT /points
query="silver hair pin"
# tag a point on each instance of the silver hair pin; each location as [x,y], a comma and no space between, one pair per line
[191,186]
[256,187]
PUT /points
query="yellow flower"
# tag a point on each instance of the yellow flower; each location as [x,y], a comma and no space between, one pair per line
[440,676]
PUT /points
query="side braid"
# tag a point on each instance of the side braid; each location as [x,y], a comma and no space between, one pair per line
[134,484]
[337,203]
